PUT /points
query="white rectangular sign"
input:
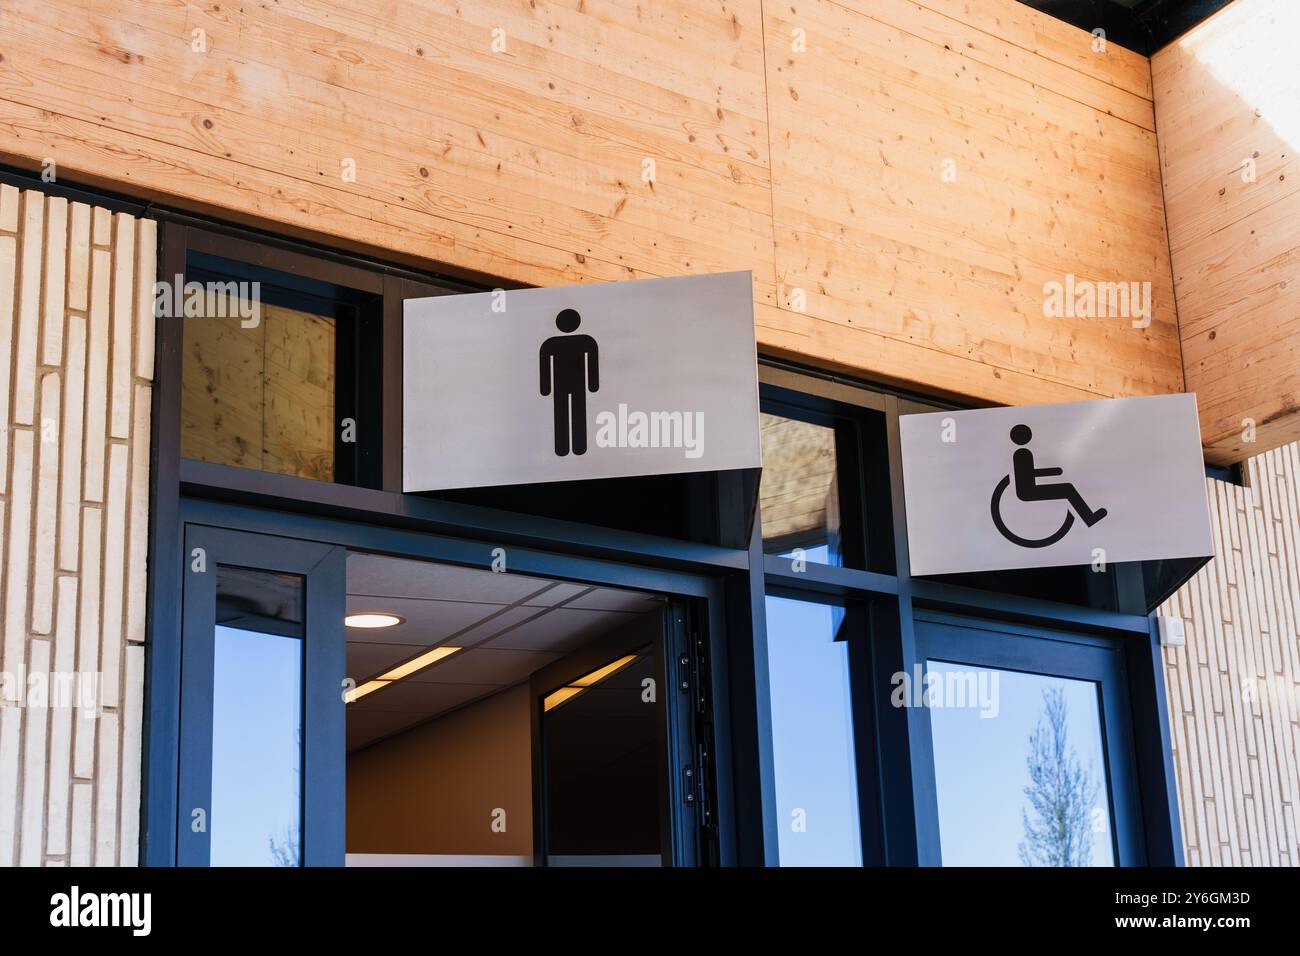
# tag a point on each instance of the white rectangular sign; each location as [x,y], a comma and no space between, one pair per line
[1051,485]
[649,377]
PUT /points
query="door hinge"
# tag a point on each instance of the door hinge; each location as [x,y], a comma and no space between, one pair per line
[691,785]
[691,675]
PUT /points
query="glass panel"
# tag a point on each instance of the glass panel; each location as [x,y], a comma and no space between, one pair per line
[601,755]
[798,493]
[1019,768]
[258,386]
[812,736]
[257,720]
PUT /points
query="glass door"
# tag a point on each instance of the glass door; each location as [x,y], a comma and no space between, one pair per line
[262,701]
[620,781]
[1029,738]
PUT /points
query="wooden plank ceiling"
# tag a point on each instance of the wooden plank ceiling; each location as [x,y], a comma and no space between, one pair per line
[553,142]
[1230,137]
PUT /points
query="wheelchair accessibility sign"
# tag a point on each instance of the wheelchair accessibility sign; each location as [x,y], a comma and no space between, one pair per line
[1053,485]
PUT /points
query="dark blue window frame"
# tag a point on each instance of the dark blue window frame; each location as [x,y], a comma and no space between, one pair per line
[321,569]
[895,769]
[313,546]
[1035,650]
[881,600]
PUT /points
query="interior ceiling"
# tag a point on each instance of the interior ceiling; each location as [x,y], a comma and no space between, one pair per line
[508,626]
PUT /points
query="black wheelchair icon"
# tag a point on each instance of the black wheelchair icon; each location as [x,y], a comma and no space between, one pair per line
[996,508]
[1028,488]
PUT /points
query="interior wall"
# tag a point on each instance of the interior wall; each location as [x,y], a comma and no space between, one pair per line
[902,177]
[1229,125]
[76,369]
[437,788]
[1234,687]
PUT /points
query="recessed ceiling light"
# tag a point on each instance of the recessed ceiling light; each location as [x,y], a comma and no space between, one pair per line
[370,619]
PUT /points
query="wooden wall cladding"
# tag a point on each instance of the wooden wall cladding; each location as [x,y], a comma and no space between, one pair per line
[549,142]
[1052,171]
[1229,123]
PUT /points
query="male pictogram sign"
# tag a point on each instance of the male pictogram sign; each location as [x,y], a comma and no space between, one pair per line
[578,383]
[570,367]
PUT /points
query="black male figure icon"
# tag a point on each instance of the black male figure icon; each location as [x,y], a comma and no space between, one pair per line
[570,366]
[1028,488]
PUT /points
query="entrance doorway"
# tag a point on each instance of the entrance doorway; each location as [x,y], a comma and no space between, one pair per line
[342,706]
[503,719]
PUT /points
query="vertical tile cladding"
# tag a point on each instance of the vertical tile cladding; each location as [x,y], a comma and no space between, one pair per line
[1234,688]
[76,371]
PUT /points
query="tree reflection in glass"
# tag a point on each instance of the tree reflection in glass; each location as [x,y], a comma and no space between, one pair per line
[1061,793]
[1020,778]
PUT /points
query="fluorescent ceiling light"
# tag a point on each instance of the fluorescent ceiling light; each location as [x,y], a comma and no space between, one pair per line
[399,672]
[418,663]
[576,687]
[560,696]
[596,676]
[368,687]
[369,619]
